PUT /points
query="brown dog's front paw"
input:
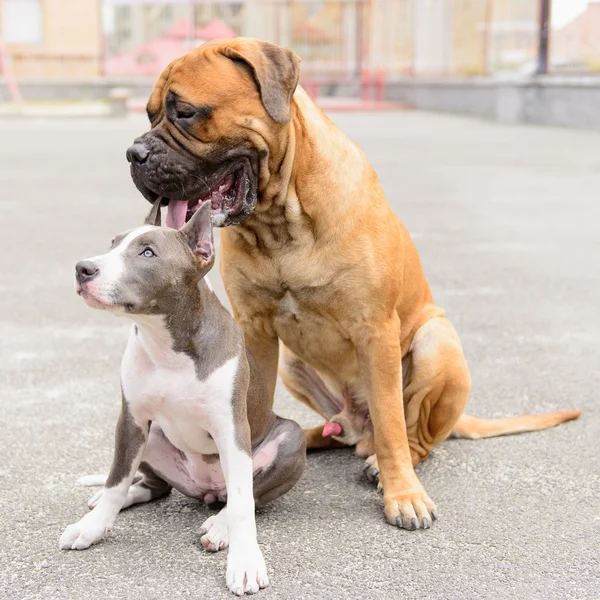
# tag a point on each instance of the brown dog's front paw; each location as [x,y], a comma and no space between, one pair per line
[410,510]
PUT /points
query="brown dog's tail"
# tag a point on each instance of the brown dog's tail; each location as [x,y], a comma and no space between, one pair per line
[473,428]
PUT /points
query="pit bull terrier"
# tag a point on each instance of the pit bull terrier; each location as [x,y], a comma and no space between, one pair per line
[195,411]
[323,278]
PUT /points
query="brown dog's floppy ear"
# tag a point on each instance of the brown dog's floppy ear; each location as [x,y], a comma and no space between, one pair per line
[275,69]
[154,217]
[199,234]
[155,107]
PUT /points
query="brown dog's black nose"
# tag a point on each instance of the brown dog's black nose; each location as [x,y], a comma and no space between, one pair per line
[137,153]
[86,270]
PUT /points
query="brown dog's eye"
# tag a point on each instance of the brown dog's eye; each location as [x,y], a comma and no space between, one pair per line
[184,111]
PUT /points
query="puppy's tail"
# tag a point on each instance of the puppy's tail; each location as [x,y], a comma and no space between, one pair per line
[473,428]
[95,480]
[91,480]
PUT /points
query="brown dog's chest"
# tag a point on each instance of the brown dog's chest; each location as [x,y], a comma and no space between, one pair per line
[303,317]
[303,326]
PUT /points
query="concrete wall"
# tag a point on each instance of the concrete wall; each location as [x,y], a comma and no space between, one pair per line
[562,101]
[92,89]
[548,100]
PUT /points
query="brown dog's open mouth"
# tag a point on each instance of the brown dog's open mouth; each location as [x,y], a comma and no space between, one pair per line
[226,200]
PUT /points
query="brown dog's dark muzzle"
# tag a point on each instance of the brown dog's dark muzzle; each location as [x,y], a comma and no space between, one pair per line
[228,181]
[137,153]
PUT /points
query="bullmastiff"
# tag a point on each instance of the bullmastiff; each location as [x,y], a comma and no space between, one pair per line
[323,278]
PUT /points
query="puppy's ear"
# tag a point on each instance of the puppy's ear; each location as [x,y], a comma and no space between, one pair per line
[199,234]
[154,217]
[275,69]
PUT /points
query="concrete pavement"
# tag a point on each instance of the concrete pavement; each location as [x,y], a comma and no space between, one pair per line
[506,220]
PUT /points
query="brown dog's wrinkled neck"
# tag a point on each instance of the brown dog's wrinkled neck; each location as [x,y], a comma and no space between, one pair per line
[292,200]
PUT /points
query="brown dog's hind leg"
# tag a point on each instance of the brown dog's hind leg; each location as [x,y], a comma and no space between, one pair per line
[306,385]
[437,392]
[437,389]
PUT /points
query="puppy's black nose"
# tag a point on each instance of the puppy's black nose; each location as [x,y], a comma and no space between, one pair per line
[138,153]
[86,270]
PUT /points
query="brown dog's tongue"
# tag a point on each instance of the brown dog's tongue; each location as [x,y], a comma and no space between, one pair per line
[176,213]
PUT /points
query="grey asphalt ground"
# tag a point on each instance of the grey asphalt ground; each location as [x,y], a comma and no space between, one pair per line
[507,223]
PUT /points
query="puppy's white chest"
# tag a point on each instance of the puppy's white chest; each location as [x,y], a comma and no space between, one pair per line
[188,410]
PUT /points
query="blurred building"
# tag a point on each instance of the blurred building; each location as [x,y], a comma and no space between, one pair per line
[513,35]
[339,40]
[576,46]
[52,38]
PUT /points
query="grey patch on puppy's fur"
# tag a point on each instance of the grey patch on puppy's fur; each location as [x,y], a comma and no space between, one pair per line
[129,438]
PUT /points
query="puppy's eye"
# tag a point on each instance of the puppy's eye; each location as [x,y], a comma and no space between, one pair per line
[184,111]
[147,253]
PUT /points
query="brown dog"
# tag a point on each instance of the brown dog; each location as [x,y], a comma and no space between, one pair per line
[316,260]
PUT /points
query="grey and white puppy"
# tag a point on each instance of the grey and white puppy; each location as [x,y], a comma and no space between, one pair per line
[195,412]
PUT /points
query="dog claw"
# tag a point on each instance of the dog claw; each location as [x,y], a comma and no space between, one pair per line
[373,474]
[434,514]
[412,524]
[371,468]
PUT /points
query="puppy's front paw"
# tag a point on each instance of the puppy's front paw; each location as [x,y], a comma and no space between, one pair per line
[83,534]
[246,570]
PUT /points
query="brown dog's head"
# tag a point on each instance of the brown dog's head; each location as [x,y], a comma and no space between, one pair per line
[217,114]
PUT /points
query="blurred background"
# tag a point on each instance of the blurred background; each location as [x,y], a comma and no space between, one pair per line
[513,60]
[505,218]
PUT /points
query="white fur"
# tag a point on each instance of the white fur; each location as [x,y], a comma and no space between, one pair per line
[91,480]
[214,531]
[137,494]
[93,526]
[161,385]
[112,265]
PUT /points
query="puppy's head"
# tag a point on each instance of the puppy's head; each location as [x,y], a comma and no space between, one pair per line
[218,115]
[149,269]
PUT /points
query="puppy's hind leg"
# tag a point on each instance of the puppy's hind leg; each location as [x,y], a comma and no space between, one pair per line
[144,489]
[279,461]
[130,442]
[149,485]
